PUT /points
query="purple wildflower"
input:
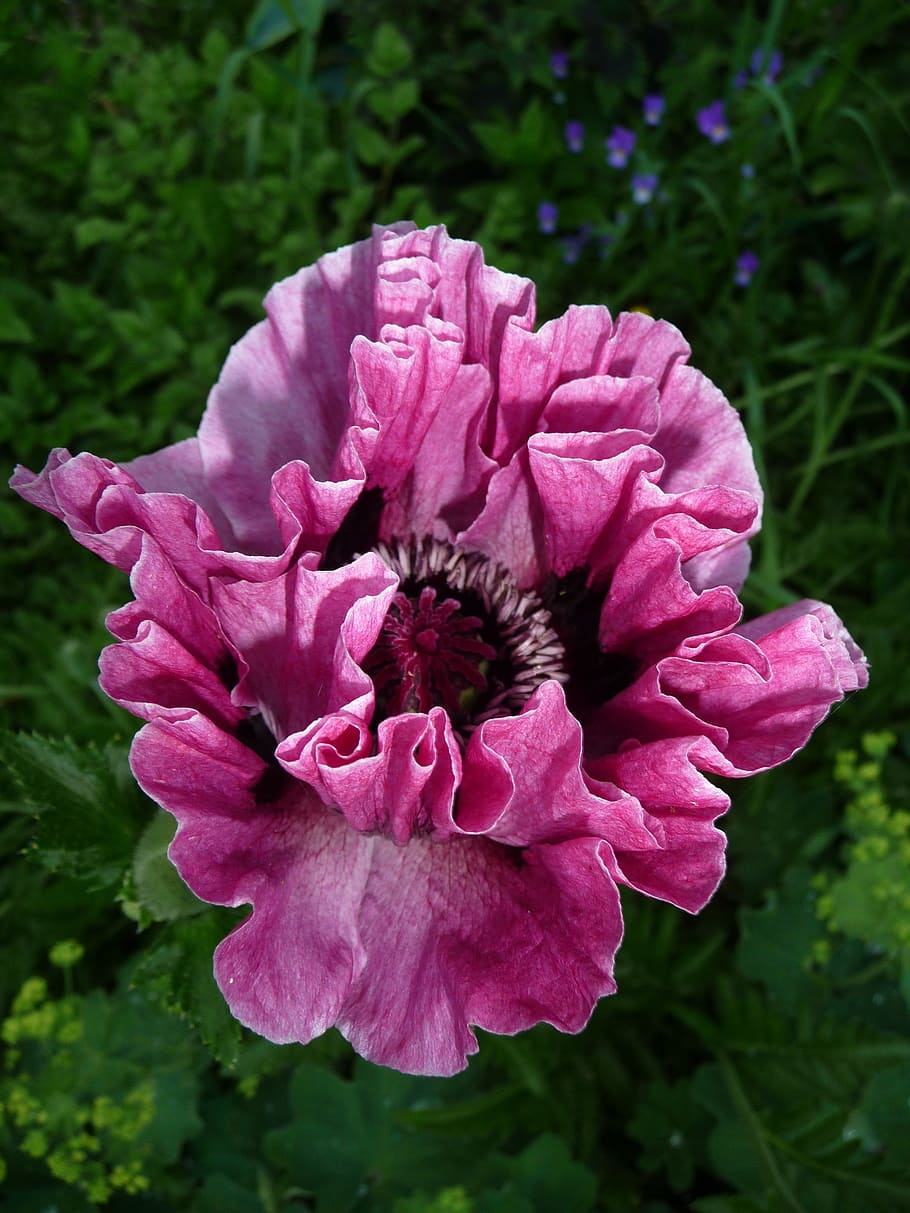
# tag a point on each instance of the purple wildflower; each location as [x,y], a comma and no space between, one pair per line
[559,64]
[547,216]
[575,136]
[643,187]
[619,146]
[768,69]
[712,122]
[741,79]
[746,265]
[653,108]
[747,170]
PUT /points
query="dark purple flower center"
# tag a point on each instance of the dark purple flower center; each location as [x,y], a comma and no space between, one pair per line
[429,653]
[459,635]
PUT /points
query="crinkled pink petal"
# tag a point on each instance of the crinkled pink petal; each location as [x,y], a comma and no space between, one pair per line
[283,392]
[651,607]
[299,637]
[532,366]
[583,483]
[161,596]
[153,675]
[403,947]
[286,971]
[641,345]
[509,528]
[482,301]
[686,864]
[757,702]
[400,383]
[603,404]
[523,782]
[108,513]
[406,787]
[467,932]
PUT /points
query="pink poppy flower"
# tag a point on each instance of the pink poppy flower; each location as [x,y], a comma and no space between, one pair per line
[436,633]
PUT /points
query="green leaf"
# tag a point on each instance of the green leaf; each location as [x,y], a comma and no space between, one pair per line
[85,802]
[159,889]
[176,973]
[390,102]
[390,52]
[776,941]
[12,327]
[370,145]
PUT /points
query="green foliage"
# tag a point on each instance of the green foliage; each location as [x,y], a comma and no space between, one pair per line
[160,171]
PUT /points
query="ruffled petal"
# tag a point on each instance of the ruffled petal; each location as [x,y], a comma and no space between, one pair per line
[755,701]
[108,512]
[406,787]
[286,971]
[523,781]
[470,933]
[299,638]
[685,862]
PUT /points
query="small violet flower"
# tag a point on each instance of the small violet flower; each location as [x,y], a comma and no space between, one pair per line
[643,187]
[575,136]
[712,122]
[547,217]
[436,633]
[767,71]
[747,170]
[653,109]
[559,64]
[746,265]
[619,146]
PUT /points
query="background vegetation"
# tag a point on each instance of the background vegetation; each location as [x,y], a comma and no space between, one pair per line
[163,164]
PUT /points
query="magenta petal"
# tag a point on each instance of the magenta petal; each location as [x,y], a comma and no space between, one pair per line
[162,596]
[108,513]
[468,932]
[154,675]
[523,781]
[583,483]
[756,702]
[483,302]
[604,404]
[400,384]
[300,636]
[533,365]
[300,354]
[685,864]
[286,970]
[406,787]
[651,607]
[509,528]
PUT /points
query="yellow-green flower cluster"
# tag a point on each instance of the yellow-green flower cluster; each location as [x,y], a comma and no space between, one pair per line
[89,1141]
[871,900]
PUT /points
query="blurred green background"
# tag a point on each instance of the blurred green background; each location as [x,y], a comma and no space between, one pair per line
[163,164]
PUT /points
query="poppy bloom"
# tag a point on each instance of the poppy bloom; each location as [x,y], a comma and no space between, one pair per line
[435,629]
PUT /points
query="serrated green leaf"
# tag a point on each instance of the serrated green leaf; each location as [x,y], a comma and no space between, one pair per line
[85,801]
[176,974]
